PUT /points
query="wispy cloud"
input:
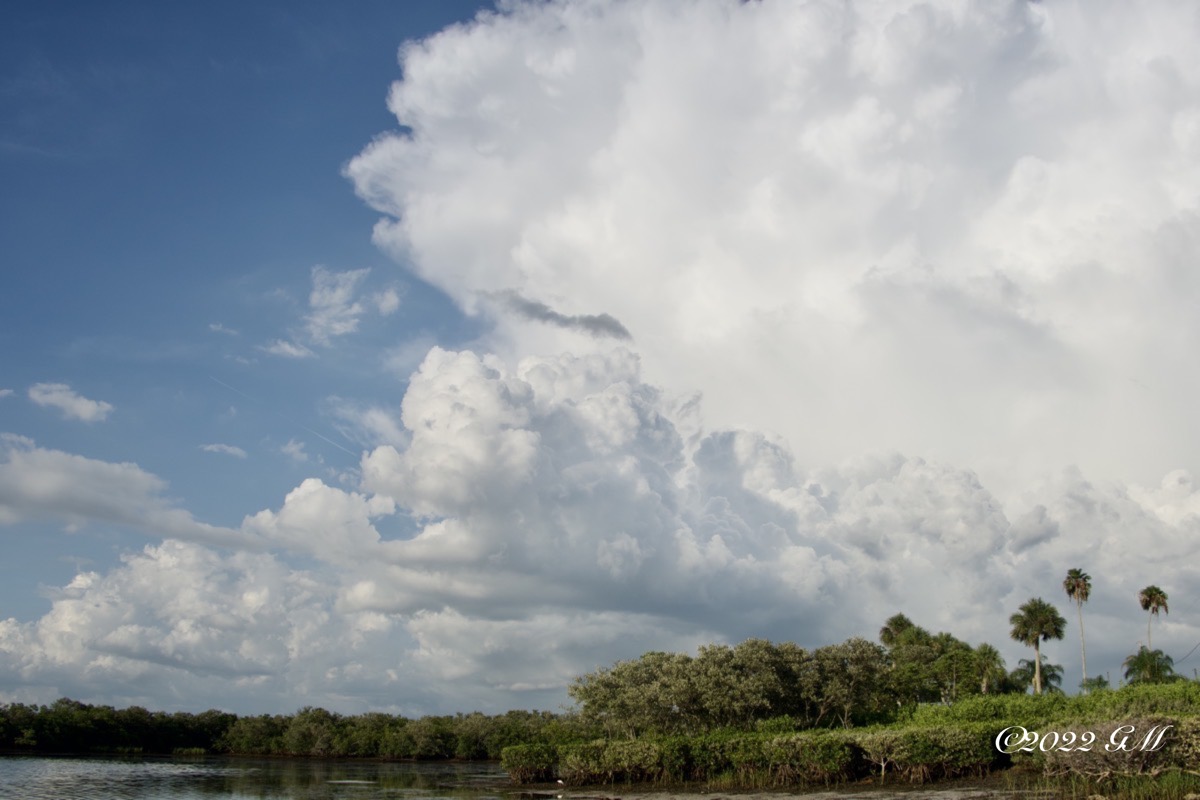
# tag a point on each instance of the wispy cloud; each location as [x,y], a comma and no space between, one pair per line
[600,325]
[387,301]
[71,404]
[39,483]
[217,327]
[336,306]
[6,393]
[294,450]
[227,449]
[335,309]
[286,349]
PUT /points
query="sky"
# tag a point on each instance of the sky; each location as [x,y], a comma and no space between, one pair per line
[420,357]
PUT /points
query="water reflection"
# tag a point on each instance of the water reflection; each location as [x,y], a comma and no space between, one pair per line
[148,779]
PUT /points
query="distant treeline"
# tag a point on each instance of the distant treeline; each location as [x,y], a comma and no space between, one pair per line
[68,726]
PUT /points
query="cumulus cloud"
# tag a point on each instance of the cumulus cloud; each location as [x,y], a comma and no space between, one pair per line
[70,403]
[178,619]
[543,518]
[947,230]
[227,449]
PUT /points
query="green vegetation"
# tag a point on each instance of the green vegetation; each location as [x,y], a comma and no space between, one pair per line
[1150,666]
[925,743]
[68,726]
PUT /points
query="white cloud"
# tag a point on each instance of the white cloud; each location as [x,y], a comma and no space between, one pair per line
[227,449]
[294,450]
[947,230]
[71,404]
[217,327]
[387,301]
[39,483]
[402,360]
[334,308]
[551,516]
[180,619]
[6,393]
[365,425]
[286,349]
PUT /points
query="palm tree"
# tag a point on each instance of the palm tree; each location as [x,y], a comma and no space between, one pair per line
[1150,666]
[1023,675]
[1152,599]
[989,668]
[893,627]
[1078,585]
[1035,622]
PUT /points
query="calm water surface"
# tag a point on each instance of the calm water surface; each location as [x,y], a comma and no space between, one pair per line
[24,778]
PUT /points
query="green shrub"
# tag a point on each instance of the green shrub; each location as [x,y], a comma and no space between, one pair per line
[779,725]
[1103,760]
[807,758]
[750,766]
[1032,711]
[924,754]
[676,755]
[631,761]
[529,763]
[880,749]
[712,756]
[582,763]
[1138,700]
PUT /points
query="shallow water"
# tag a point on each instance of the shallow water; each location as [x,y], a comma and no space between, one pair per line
[30,778]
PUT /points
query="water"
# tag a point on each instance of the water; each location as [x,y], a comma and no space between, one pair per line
[26,778]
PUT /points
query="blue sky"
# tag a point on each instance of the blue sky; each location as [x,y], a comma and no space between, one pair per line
[170,168]
[391,356]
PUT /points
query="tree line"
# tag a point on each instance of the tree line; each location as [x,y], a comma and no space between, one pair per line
[69,726]
[759,683]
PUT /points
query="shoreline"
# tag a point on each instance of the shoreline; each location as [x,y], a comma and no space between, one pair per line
[995,786]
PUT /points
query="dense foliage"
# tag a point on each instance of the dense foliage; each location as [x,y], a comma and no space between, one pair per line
[68,726]
[842,685]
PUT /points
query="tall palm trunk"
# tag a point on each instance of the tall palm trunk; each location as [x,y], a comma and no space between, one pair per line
[1037,667]
[1082,645]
